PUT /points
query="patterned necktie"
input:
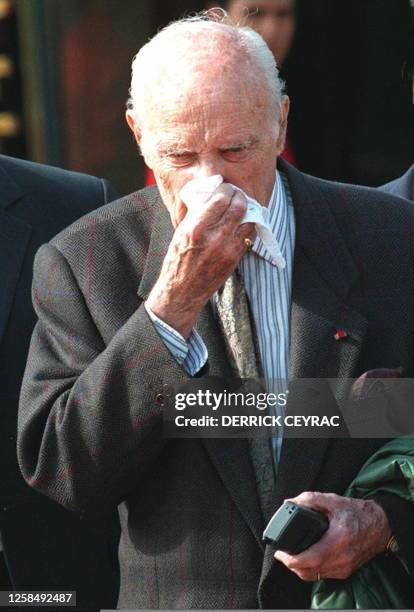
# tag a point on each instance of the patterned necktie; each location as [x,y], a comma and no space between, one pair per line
[237,326]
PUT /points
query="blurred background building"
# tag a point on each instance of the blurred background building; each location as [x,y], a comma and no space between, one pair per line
[65,70]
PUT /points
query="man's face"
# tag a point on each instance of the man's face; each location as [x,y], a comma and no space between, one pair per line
[274,20]
[226,126]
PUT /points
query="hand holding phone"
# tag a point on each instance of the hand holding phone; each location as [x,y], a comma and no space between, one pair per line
[295,528]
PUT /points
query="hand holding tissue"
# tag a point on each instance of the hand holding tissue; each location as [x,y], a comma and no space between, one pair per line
[198,191]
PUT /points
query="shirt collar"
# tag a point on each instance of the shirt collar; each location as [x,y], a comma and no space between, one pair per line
[278,220]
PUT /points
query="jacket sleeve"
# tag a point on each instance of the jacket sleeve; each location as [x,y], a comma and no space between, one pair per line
[190,353]
[90,414]
[400,515]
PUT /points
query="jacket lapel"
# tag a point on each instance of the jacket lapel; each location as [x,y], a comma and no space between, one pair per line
[323,275]
[14,237]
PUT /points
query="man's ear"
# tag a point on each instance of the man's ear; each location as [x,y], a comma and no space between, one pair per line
[133,125]
[136,130]
[283,121]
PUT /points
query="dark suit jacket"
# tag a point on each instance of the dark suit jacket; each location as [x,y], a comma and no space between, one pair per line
[402,186]
[90,430]
[45,545]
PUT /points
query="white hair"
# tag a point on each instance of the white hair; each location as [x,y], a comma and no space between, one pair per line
[205,29]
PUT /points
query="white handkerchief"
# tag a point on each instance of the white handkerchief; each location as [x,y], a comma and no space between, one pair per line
[199,191]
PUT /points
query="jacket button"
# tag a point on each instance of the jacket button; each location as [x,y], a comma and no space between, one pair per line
[160,399]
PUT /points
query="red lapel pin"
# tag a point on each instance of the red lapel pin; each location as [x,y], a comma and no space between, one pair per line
[340,334]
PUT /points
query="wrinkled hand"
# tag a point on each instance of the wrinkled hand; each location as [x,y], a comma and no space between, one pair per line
[206,247]
[358,531]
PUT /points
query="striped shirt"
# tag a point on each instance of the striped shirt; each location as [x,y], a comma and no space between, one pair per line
[269,289]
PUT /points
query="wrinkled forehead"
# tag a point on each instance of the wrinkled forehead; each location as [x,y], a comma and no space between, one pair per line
[207,105]
[184,73]
[191,88]
[185,53]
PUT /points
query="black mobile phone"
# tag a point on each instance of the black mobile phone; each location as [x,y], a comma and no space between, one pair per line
[294,528]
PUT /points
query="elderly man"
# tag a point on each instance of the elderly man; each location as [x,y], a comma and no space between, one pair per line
[128,301]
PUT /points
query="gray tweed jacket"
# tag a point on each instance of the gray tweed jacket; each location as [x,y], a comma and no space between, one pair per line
[90,420]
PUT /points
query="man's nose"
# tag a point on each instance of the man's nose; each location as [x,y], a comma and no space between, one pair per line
[206,168]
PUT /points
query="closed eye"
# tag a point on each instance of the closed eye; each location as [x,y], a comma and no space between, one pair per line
[180,158]
[238,152]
